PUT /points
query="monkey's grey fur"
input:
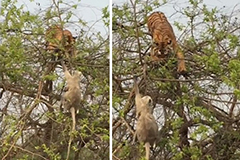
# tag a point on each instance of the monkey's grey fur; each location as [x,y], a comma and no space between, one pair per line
[147,128]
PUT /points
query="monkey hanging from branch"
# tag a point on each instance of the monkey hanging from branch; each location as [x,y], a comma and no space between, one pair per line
[147,128]
[72,98]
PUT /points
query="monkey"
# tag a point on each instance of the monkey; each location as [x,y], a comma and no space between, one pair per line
[141,102]
[147,128]
[72,98]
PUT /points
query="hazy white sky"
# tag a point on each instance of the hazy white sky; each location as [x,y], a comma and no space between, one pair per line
[91,10]
[88,10]
[184,2]
[170,8]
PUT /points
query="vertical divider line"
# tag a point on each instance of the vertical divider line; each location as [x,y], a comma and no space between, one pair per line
[110,80]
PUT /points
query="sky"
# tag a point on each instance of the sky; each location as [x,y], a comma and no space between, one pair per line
[170,8]
[88,10]
[213,3]
[91,10]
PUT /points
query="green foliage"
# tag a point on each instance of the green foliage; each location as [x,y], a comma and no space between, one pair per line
[233,78]
[193,113]
[34,124]
[106,16]
[50,152]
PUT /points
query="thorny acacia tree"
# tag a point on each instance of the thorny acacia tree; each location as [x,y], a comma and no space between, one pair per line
[33,123]
[198,116]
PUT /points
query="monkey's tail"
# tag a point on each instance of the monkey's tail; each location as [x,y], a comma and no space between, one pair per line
[136,85]
[72,110]
[147,148]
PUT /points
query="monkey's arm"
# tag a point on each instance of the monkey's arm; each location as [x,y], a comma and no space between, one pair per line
[63,65]
[67,75]
[136,85]
[138,99]
[66,72]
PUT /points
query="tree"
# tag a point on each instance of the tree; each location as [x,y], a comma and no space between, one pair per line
[198,115]
[33,123]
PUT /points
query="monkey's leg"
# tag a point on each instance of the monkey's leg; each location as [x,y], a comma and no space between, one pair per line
[72,110]
[147,148]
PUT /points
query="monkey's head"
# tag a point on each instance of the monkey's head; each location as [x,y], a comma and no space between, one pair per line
[147,101]
[77,74]
[72,80]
